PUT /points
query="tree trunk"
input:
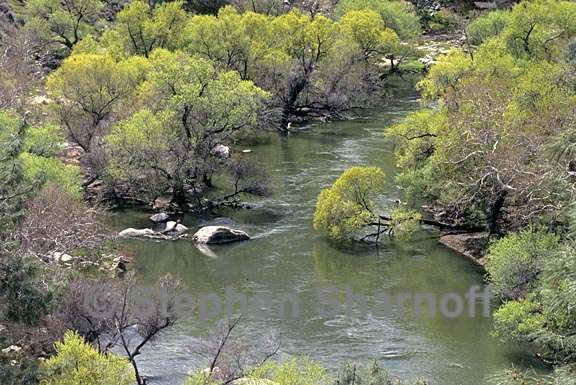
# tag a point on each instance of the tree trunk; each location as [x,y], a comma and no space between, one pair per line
[495,211]
[178,194]
[297,86]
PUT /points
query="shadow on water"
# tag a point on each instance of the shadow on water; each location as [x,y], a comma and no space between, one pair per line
[287,256]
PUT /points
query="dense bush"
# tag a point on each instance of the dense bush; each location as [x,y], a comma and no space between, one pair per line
[515,262]
[78,363]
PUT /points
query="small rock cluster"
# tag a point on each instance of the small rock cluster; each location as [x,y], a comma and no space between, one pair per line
[206,235]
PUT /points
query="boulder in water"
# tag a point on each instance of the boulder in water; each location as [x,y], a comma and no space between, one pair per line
[137,233]
[174,228]
[160,218]
[219,235]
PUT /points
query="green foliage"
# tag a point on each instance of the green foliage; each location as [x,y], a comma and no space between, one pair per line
[294,54]
[347,207]
[13,189]
[64,23]
[90,89]
[515,262]
[399,16]
[545,317]
[296,371]
[484,147]
[27,296]
[52,170]
[443,21]
[366,29]
[139,28]
[404,222]
[483,28]
[516,320]
[78,363]
[45,141]
[192,107]
[373,374]
[532,29]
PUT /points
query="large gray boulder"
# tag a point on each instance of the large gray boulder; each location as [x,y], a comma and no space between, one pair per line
[212,235]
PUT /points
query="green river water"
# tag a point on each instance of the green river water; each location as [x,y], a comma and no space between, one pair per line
[287,256]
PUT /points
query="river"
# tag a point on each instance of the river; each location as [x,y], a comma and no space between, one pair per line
[287,256]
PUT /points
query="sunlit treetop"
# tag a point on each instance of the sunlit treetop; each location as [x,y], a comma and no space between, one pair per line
[63,22]
[531,29]
[399,16]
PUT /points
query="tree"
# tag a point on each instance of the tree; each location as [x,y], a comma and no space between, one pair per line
[231,359]
[482,154]
[191,108]
[347,207]
[309,63]
[367,30]
[13,188]
[63,22]
[78,363]
[346,210]
[516,261]
[89,89]
[532,29]
[399,16]
[140,28]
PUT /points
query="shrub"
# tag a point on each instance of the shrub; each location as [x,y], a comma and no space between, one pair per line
[515,262]
[78,363]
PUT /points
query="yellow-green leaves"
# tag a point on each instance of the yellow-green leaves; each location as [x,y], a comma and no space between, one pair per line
[404,222]
[187,106]
[65,23]
[139,28]
[51,170]
[90,88]
[367,30]
[78,363]
[399,16]
[297,371]
[347,207]
[532,29]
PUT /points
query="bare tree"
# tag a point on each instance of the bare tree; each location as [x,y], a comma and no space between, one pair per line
[247,178]
[230,358]
[20,71]
[121,315]
[57,223]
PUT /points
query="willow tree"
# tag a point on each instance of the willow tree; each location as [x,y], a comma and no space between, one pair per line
[310,65]
[89,91]
[140,28]
[187,107]
[483,155]
[532,29]
[63,23]
[399,16]
[347,210]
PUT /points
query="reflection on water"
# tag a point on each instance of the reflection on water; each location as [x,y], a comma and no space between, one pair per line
[286,255]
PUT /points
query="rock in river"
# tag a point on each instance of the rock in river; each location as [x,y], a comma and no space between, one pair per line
[219,235]
[137,233]
[160,218]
